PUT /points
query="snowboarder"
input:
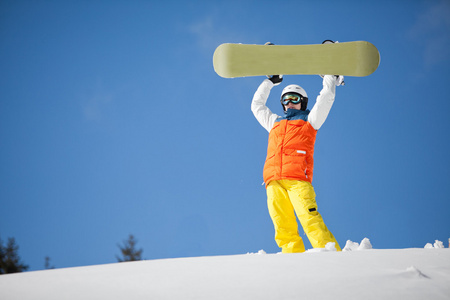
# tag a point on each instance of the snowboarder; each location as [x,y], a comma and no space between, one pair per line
[288,170]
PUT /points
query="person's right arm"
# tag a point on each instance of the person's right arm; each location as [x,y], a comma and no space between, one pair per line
[261,112]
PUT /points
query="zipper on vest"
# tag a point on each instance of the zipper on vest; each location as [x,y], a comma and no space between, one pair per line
[282,146]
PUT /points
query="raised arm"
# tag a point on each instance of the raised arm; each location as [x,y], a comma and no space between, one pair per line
[324,102]
[261,112]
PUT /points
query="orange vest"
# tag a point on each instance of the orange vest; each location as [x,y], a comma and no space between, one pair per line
[290,151]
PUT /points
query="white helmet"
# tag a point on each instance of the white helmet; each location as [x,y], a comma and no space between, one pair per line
[293,88]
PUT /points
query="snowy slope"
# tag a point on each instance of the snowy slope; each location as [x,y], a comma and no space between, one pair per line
[368,274]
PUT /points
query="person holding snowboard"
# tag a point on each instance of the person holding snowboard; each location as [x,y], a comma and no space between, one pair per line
[288,170]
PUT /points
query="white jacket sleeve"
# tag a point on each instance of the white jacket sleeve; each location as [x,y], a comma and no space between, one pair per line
[324,102]
[261,112]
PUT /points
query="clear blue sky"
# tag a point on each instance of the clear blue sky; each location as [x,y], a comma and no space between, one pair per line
[112,121]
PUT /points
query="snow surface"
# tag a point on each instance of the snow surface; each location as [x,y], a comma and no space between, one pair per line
[359,272]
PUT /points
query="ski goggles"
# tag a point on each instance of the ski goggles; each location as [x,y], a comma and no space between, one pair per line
[293,98]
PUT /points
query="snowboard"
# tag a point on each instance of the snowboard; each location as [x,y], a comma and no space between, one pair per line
[359,58]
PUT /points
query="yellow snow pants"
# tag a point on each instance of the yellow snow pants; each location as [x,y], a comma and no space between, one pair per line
[283,198]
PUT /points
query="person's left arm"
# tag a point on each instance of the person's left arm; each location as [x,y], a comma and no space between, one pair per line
[324,101]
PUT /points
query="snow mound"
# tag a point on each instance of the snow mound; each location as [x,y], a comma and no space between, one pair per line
[352,246]
[437,245]
[411,274]
[260,252]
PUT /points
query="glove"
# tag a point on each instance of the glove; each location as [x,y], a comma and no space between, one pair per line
[334,79]
[276,79]
[339,80]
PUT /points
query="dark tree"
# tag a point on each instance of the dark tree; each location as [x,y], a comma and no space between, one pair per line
[9,258]
[129,251]
[47,264]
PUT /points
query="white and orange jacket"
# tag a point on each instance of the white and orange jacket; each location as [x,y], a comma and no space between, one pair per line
[290,152]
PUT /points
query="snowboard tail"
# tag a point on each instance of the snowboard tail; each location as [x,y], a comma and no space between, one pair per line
[358,59]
